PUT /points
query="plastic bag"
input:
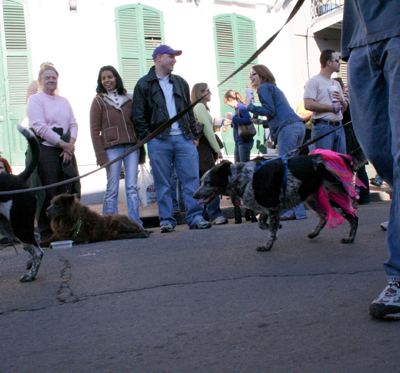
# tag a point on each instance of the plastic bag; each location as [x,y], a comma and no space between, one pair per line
[146,188]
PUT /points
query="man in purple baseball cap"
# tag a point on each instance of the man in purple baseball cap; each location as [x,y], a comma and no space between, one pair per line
[159,96]
[162,49]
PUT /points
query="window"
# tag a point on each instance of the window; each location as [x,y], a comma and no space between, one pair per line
[139,32]
[235,42]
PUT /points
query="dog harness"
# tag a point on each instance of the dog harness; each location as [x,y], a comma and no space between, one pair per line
[285,163]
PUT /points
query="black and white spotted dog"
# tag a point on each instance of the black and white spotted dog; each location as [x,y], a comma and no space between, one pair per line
[17,211]
[276,186]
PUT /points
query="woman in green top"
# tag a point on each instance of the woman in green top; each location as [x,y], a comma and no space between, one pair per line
[209,149]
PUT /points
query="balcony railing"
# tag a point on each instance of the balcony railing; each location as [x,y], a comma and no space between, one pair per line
[321,7]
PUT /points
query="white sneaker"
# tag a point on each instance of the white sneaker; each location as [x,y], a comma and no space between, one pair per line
[384,225]
[167,227]
[202,224]
[220,220]
[387,305]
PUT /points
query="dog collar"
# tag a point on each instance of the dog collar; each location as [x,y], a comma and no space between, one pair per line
[78,227]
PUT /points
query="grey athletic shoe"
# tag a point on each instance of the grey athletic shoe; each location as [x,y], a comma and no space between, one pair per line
[202,224]
[167,227]
[384,225]
[220,220]
[387,305]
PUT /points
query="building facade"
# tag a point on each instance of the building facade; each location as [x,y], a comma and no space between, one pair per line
[216,37]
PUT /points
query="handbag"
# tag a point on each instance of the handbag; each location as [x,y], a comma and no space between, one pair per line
[246,131]
[146,188]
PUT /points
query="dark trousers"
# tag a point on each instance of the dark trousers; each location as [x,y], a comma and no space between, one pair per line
[50,172]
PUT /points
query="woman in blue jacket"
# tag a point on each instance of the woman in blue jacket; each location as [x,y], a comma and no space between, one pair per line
[242,147]
[287,128]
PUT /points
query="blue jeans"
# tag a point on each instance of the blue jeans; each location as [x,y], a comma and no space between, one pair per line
[289,138]
[336,141]
[183,154]
[131,161]
[178,201]
[374,86]
[242,151]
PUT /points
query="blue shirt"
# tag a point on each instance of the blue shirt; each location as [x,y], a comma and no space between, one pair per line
[242,116]
[366,22]
[275,107]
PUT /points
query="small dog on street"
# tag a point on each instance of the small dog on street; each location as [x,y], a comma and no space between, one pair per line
[71,220]
[17,211]
[324,179]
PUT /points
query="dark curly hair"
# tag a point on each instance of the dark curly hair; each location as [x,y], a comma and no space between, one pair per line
[120,85]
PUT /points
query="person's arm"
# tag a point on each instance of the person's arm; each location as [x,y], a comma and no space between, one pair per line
[95,130]
[244,116]
[268,107]
[139,108]
[312,105]
[202,115]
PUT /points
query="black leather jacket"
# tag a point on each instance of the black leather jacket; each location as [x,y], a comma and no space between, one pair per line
[149,110]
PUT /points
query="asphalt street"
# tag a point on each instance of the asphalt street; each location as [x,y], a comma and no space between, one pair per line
[203,301]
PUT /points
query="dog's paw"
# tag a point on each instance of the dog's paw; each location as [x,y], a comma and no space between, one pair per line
[312,235]
[347,240]
[263,226]
[264,248]
[27,278]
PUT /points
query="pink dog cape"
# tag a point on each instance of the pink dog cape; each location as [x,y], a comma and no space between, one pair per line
[337,166]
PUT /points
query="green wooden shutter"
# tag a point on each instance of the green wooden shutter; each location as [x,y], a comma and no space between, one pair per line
[16,70]
[235,42]
[139,32]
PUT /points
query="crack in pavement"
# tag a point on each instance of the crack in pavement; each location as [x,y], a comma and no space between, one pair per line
[65,295]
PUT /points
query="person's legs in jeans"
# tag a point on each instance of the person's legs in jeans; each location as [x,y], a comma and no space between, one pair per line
[289,138]
[364,192]
[49,170]
[161,155]
[375,112]
[186,160]
[131,163]
[244,151]
[326,142]
[110,203]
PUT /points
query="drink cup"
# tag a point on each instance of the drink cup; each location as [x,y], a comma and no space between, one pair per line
[332,89]
[249,93]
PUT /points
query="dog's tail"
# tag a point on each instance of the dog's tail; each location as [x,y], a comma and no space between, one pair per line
[33,143]
[359,158]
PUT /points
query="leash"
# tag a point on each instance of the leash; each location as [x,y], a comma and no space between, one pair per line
[168,123]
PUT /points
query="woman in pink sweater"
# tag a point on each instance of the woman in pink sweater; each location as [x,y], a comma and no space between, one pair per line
[53,121]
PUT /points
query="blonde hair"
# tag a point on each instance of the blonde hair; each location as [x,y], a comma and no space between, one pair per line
[45,68]
[234,96]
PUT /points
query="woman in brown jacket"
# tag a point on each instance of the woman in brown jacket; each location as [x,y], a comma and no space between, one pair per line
[112,134]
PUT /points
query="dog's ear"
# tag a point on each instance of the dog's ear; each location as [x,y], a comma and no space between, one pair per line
[225,168]
[70,198]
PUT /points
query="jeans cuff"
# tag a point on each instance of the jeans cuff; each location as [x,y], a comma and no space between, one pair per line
[393,278]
